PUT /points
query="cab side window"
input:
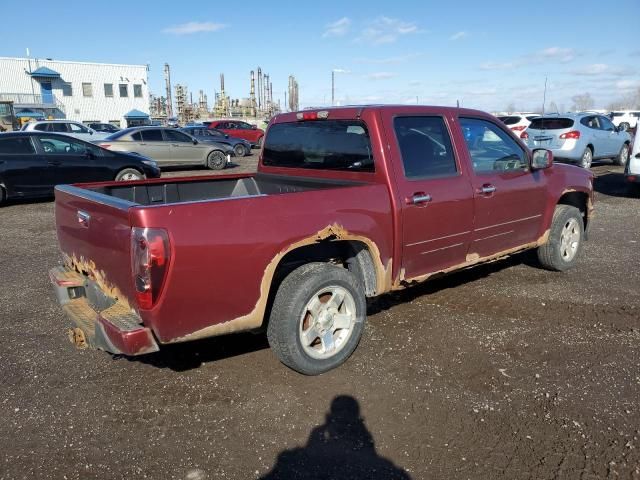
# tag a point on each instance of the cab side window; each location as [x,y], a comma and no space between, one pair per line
[491,148]
[425,146]
[152,136]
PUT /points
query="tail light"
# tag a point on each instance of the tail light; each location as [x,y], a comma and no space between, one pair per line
[573,134]
[150,254]
[524,136]
[312,115]
[106,146]
[519,128]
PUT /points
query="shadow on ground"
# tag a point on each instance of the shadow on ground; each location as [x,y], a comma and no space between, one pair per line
[340,449]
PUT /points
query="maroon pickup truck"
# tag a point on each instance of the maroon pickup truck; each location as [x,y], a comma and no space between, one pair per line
[347,203]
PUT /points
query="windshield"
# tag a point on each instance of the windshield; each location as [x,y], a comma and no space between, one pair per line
[550,123]
[322,144]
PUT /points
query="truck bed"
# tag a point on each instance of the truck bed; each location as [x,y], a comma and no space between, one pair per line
[180,191]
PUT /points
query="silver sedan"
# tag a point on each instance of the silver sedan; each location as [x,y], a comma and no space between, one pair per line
[168,147]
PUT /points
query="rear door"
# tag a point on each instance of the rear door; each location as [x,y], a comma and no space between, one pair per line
[150,143]
[183,150]
[22,170]
[435,194]
[509,198]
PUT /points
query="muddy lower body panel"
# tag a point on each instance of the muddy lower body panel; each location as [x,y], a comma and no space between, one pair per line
[115,328]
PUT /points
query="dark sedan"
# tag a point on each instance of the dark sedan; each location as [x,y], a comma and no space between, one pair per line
[32,163]
[240,146]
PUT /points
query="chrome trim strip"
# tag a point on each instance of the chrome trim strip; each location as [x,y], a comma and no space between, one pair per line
[493,236]
[439,238]
[507,223]
[443,248]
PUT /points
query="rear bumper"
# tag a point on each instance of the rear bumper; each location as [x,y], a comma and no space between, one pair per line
[116,329]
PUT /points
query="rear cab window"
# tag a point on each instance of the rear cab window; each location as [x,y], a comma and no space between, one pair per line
[554,123]
[319,145]
[425,147]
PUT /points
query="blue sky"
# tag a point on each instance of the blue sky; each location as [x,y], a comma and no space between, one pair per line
[488,55]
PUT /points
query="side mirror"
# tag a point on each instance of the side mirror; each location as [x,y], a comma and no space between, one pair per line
[90,132]
[541,158]
[195,142]
[638,155]
[88,153]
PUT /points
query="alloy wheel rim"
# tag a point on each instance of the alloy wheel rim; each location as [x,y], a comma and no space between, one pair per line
[586,159]
[129,177]
[327,322]
[624,155]
[569,239]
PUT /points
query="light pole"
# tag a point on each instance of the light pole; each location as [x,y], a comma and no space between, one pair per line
[333,83]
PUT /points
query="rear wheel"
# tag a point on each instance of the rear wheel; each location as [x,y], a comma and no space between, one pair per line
[317,318]
[587,158]
[561,251]
[216,160]
[623,156]
[239,150]
[128,175]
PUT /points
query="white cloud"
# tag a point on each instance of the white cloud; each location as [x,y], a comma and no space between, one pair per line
[386,30]
[497,66]
[628,85]
[389,60]
[602,69]
[458,36]
[194,27]
[380,75]
[558,54]
[339,28]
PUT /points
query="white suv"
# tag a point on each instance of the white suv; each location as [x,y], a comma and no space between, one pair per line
[67,127]
[518,122]
[625,119]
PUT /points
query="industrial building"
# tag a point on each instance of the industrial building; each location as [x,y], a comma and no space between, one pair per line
[82,91]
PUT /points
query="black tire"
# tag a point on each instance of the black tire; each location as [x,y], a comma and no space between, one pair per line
[624,126]
[216,160]
[259,142]
[587,158]
[289,315]
[239,150]
[129,175]
[553,254]
[623,156]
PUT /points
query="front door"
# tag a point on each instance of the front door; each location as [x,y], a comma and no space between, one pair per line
[46,92]
[509,199]
[183,150]
[70,160]
[436,197]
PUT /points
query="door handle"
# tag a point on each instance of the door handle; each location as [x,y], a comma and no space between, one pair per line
[54,163]
[487,189]
[418,198]
[175,145]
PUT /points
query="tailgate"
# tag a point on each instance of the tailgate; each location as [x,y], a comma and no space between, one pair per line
[95,236]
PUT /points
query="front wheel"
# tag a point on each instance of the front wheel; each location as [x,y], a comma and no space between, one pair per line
[259,142]
[317,318]
[561,251]
[623,156]
[239,150]
[129,175]
[216,160]
[624,126]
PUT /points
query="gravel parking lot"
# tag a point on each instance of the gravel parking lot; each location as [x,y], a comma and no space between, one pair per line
[504,371]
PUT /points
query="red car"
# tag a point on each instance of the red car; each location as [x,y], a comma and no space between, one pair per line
[238,129]
[347,203]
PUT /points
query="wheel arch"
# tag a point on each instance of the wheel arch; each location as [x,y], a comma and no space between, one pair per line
[580,200]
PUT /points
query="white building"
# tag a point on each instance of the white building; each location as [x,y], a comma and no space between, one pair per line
[82,91]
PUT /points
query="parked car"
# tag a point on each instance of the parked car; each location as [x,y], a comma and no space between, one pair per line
[238,129]
[168,147]
[104,127]
[625,119]
[66,127]
[579,138]
[32,163]
[347,203]
[632,172]
[240,146]
[518,122]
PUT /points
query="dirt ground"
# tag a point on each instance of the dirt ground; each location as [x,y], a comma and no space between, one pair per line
[504,371]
